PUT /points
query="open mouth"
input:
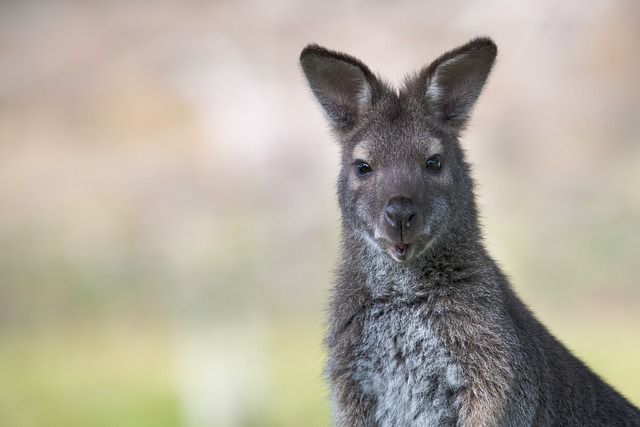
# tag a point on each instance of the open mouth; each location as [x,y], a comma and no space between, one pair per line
[400,251]
[403,251]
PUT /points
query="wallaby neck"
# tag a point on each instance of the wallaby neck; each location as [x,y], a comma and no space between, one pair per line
[458,257]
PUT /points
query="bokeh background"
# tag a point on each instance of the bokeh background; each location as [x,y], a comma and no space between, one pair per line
[168,219]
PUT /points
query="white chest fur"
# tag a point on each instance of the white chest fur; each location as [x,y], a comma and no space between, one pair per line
[404,367]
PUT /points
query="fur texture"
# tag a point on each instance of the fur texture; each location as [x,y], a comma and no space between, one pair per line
[424,328]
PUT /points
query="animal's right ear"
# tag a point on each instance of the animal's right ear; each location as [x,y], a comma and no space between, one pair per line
[452,83]
[343,85]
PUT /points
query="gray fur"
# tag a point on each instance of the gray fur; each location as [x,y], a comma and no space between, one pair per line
[424,329]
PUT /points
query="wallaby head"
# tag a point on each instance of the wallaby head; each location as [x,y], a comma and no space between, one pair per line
[404,184]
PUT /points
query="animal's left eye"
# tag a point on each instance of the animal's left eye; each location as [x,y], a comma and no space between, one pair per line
[434,163]
[363,168]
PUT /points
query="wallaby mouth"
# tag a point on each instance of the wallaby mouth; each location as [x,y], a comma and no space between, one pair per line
[400,251]
[404,251]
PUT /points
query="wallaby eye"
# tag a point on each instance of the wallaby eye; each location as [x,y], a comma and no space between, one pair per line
[362,168]
[434,163]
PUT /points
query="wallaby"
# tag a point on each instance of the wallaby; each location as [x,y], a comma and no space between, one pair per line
[424,329]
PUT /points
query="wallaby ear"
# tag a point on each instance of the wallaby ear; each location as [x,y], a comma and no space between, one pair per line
[343,85]
[453,82]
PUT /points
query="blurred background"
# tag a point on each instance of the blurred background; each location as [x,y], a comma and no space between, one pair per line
[168,219]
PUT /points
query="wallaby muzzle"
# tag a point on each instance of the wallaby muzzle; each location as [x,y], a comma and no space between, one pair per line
[401,223]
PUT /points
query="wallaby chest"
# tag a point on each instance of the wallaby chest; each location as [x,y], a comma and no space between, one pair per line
[405,368]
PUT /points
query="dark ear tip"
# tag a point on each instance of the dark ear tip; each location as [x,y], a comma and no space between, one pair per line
[484,44]
[313,49]
[313,55]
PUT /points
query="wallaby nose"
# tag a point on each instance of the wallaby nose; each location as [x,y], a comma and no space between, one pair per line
[400,213]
